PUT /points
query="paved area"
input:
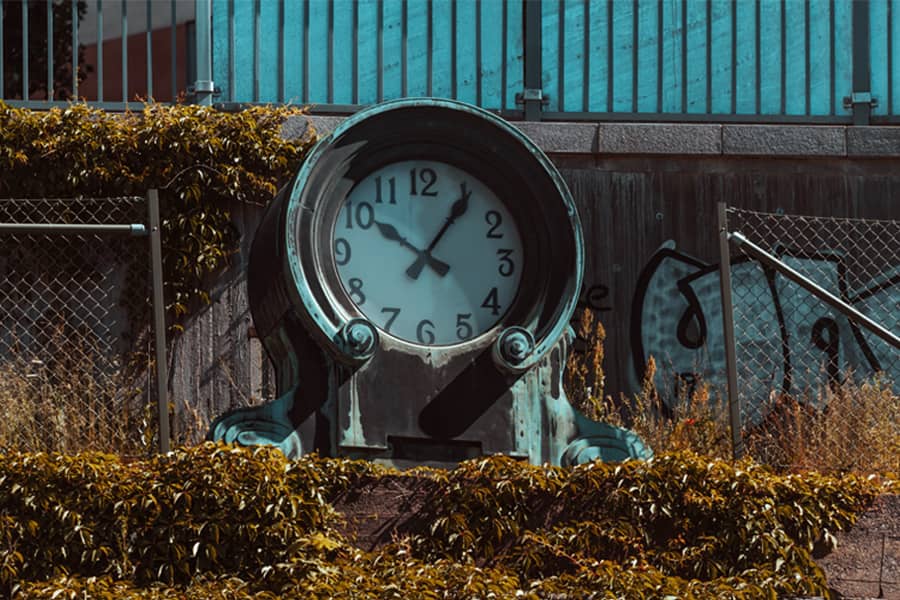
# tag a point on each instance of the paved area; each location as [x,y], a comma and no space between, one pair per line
[866,562]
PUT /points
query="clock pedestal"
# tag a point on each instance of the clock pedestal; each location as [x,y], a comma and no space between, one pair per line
[413,287]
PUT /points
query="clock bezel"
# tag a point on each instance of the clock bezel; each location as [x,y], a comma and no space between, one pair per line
[470,139]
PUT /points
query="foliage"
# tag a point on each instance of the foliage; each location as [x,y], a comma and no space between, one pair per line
[202,160]
[217,521]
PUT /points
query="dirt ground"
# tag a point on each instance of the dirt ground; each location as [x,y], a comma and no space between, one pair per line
[865,564]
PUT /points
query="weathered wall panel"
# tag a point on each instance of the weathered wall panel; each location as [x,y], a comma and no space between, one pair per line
[629,208]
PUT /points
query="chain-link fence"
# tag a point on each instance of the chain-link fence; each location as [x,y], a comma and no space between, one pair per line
[76,342]
[818,384]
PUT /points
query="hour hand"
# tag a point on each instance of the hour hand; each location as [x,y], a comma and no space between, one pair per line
[390,233]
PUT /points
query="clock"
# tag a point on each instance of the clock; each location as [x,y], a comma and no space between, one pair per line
[427,252]
[413,287]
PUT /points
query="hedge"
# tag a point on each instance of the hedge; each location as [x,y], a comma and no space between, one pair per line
[229,522]
[201,159]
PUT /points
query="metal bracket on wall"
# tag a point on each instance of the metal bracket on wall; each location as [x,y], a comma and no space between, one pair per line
[860,102]
[533,101]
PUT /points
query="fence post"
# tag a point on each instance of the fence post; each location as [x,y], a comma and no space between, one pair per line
[204,87]
[532,97]
[734,403]
[860,100]
[159,319]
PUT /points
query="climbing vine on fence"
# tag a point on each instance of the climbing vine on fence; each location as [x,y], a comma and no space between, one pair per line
[202,160]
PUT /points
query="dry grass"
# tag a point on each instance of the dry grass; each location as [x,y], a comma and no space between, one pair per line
[68,408]
[858,431]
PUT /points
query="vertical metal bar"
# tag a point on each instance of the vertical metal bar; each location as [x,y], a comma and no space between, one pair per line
[708,56]
[404,47]
[257,8]
[635,42]
[124,70]
[831,57]
[734,60]
[561,55]
[100,50]
[757,76]
[203,86]
[173,54]
[232,70]
[159,320]
[586,52]
[610,64]
[49,49]
[355,58]
[149,50]
[74,48]
[430,59]
[532,58]
[684,49]
[306,59]
[454,93]
[379,27]
[783,54]
[504,26]
[890,61]
[862,111]
[330,55]
[2,47]
[806,50]
[734,405]
[659,56]
[478,52]
[25,83]
[281,91]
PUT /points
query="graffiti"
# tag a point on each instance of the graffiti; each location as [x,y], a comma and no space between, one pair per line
[786,340]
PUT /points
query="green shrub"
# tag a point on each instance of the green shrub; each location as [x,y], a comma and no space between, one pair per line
[202,160]
[217,521]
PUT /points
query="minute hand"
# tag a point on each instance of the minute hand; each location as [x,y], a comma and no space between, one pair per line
[456,211]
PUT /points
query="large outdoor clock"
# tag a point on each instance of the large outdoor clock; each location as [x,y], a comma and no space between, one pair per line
[413,287]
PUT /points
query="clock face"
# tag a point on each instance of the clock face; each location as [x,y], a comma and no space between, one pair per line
[427,252]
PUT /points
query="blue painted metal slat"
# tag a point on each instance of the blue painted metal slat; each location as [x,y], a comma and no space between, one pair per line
[758,58]
[878,17]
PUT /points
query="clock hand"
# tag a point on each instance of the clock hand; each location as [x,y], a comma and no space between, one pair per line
[390,233]
[456,211]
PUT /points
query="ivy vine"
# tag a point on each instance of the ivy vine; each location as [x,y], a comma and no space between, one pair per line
[200,159]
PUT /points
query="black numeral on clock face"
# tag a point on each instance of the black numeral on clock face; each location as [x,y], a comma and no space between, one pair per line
[463,327]
[363,215]
[356,294]
[341,251]
[392,191]
[494,219]
[425,332]
[427,176]
[491,302]
[393,312]
[507,266]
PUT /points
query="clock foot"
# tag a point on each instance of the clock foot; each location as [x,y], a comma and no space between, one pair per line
[604,442]
[265,425]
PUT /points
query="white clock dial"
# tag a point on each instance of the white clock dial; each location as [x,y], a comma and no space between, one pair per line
[427,252]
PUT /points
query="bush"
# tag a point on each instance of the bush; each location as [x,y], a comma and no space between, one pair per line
[216,521]
[201,159]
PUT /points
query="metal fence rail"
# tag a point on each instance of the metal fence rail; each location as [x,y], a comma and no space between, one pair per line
[76,299]
[108,52]
[832,61]
[814,304]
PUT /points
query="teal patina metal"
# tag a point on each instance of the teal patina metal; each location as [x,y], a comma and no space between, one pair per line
[348,387]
